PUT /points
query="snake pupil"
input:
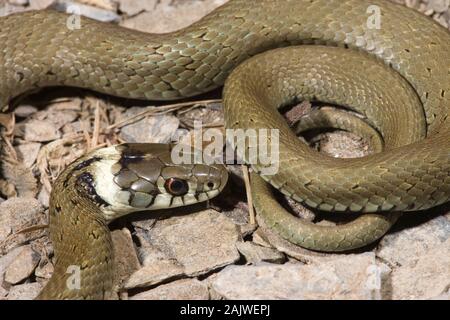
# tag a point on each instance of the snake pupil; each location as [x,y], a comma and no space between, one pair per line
[177,187]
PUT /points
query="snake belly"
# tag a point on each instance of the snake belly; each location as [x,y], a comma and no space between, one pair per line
[409,107]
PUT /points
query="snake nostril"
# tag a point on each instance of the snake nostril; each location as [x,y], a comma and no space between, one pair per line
[210,184]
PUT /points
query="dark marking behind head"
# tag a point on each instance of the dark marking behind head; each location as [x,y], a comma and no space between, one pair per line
[86,182]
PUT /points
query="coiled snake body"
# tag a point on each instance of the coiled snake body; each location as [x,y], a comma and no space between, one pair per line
[343,60]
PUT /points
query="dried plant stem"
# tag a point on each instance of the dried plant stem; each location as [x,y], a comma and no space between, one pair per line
[248,189]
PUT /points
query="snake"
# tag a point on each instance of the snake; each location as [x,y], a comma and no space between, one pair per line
[385,62]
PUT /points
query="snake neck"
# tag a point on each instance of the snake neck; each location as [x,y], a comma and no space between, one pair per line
[81,239]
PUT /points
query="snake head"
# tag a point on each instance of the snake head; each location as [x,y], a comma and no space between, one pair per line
[139,177]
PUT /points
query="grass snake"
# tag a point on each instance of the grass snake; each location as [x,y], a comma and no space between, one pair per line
[389,63]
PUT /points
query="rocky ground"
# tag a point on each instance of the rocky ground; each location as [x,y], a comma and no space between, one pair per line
[209,251]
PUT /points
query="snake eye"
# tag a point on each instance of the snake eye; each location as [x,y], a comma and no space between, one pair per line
[176,187]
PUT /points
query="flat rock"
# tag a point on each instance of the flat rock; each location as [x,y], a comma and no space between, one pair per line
[40,4]
[254,253]
[44,197]
[7,8]
[18,2]
[259,238]
[27,291]
[408,245]
[20,179]
[213,295]
[343,145]
[60,118]
[157,268]
[25,110]
[44,271]
[439,6]
[163,17]
[349,277]
[110,5]
[28,152]
[72,7]
[17,214]
[157,129]
[201,242]
[247,229]
[126,261]
[6,260]
[159,271]
[3,293]
[443,297]
[185,289]
[22,266]
[133,7]
[239,214]
[427,278]
[40,131]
